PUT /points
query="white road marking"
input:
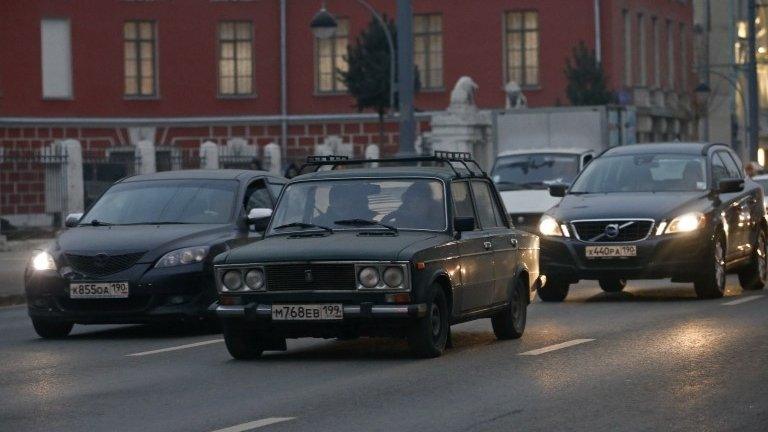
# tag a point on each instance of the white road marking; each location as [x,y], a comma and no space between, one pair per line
[176,348]
[556,347]
[255,424]
[742,300]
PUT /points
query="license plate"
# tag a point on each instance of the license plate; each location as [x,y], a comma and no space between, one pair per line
[307,312]
[98,290]
[611,251]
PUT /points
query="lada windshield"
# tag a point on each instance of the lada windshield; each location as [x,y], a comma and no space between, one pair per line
[408,204]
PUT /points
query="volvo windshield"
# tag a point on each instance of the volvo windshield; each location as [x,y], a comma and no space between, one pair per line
[643,173]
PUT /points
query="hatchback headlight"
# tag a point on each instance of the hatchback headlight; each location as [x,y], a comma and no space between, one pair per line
[548,226]
[686,223]
[368,277]
[42,261]
[183,257]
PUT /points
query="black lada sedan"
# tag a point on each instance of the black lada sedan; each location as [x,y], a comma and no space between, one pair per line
[390,251]
[143,251]
[683,211]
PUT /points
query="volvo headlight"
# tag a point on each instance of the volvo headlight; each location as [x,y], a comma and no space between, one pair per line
[368,277]
[43,261]
[548,226]
[183,257]
[686,223]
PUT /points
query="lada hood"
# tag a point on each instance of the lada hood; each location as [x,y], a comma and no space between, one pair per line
[339,246]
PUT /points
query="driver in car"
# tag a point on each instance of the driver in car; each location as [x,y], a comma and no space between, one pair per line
[345,202]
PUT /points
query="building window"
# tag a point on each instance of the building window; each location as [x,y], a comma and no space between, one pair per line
[56,48]
[670,55]
[428,49]
[627,49]
[235,58]
[683,58]
[139,39]
[656,53]
[331,60]
[522,47]
[642,48]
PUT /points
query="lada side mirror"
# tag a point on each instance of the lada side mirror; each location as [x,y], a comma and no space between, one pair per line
[730,186]
[464,224]
[558,190]
[72,220]
[259,218]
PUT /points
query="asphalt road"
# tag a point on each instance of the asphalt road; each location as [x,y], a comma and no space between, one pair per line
[653,358]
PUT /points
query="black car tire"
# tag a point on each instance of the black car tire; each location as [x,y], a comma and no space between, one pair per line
[510,324]
[554,290]
[51,329]
[428,336]
[242,343]
[711,284]
[613,285]
[754,276]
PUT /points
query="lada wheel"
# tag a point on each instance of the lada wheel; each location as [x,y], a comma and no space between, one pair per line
[754,276]
[50,329]
[554,290]
[242,343]
[711,284]
[613,285]
[510,324]
[428,335]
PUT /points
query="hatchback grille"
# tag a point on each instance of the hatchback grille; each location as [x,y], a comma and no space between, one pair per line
[102,264]
[310,277]
[625,230]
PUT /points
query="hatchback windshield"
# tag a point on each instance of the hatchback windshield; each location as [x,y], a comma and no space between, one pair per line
[643,173]
[355,204]
[165,202]
[534,171]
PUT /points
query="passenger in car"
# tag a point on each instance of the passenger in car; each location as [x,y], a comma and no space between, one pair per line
[419,205]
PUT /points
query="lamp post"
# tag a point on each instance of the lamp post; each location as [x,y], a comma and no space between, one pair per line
[703,93]
[324,26]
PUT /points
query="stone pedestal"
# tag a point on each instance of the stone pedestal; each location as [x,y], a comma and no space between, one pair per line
[145,150]
[209,155]
[465,130]
[273,158]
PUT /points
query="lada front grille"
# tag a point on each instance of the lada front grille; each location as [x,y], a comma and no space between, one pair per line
[612,231]
[102,264]
[310,277]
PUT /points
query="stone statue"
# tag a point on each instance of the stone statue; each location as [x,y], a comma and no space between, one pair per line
[463,95]
[515,96]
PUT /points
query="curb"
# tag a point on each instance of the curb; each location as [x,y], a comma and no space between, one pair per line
[12,300]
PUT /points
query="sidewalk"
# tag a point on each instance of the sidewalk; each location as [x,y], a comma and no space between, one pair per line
[13,260]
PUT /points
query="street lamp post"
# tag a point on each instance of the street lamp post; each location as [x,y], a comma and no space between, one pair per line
[324,26]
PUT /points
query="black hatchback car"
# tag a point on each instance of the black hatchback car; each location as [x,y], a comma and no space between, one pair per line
[400,251]
[143,251]
[683,211]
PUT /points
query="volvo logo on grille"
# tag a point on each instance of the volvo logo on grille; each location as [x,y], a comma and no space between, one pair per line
[612,230]
[308,277]
[100,260]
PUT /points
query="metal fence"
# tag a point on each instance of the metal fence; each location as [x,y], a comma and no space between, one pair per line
[101,168]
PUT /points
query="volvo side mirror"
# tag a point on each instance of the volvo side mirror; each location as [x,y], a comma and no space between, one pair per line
[730,186]
[558,190]
[259,218]
[72,220]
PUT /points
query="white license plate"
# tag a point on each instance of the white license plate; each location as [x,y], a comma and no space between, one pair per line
[98,290]
[611,251]
[307,312]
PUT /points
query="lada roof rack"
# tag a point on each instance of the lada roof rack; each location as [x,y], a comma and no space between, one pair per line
[446,157]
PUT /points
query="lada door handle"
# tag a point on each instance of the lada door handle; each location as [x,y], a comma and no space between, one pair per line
[488,245]
[513,243]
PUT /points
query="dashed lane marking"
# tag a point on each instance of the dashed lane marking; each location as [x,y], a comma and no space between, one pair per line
[255,424]
[742,300]
[556,347]
[176,348]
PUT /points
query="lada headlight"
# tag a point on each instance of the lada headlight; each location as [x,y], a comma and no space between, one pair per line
[255,280]
[368,277]
[232,280]
[394,277]
[686,223]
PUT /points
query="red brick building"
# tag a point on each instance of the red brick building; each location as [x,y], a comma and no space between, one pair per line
[189,71]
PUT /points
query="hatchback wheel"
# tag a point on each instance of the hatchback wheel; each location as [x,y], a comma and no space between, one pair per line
[242,343]
[510,323]
[754,276]
[613,285]
[554,290]
[711,284]
[428,336]
[51,329]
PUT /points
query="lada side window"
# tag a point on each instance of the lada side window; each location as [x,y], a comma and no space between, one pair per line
[462,200]
[487,210]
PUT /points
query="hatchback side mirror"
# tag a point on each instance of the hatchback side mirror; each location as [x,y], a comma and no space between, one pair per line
[558,190]
[259,218]
[464,224]
[730,186]
[72,220]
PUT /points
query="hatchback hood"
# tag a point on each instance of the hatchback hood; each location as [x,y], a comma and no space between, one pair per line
[645,205]
[339,246]
[528,201]
[156,239]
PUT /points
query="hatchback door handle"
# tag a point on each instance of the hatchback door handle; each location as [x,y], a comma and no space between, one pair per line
[487,245]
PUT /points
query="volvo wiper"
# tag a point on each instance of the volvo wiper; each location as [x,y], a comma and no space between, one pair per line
[303,225]
[364,222]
